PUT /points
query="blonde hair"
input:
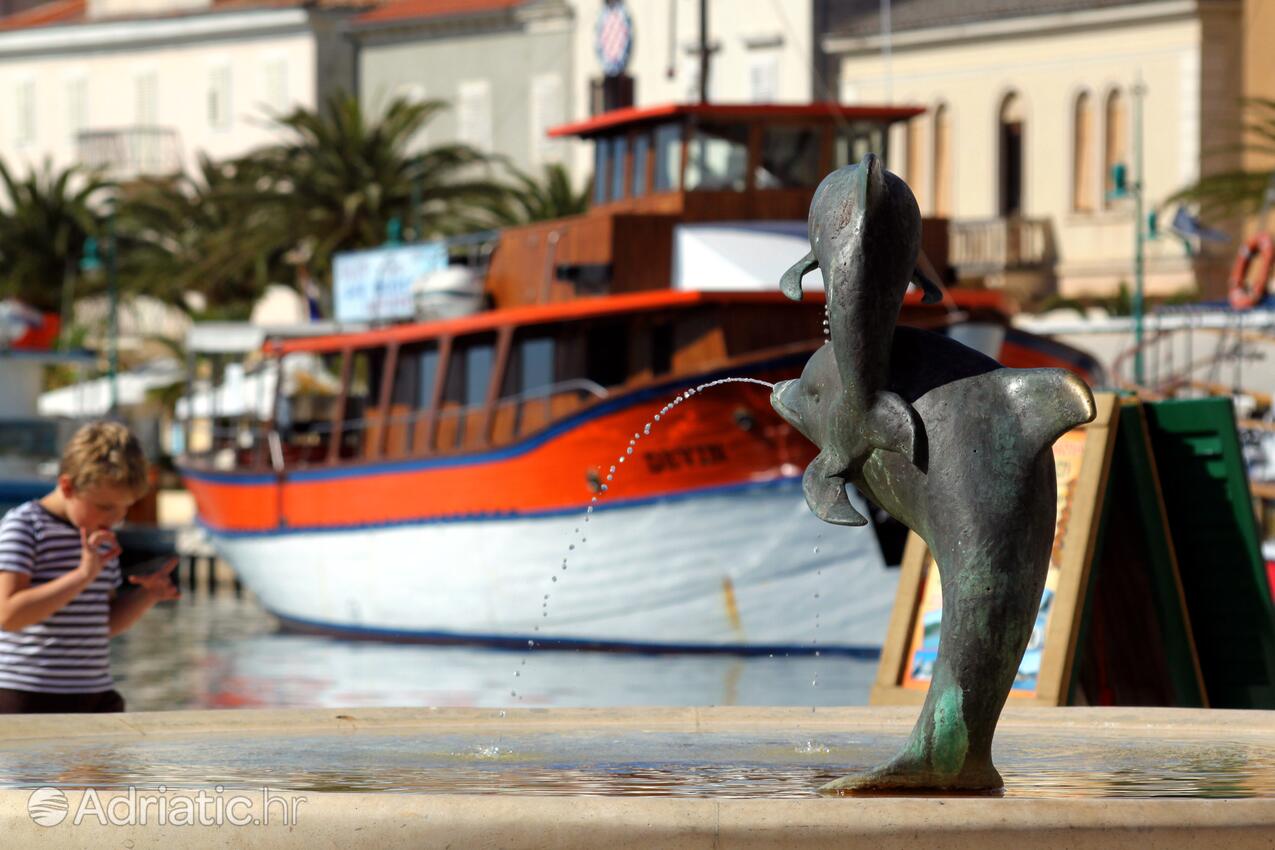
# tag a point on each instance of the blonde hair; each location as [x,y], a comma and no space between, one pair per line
[105,453]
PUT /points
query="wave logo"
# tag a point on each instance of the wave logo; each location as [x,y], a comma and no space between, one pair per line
[47,806]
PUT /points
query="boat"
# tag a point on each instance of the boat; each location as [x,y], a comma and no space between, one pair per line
[517,476]
[29,441]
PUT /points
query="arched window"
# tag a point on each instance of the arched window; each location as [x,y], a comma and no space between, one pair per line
[1082,156]
[942,172]
[1012,124]
[1116,149]
[916,161]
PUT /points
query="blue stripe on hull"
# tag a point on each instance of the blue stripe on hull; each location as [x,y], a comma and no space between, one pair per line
[522,642]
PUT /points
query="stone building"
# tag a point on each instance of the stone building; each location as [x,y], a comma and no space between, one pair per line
[1031,118]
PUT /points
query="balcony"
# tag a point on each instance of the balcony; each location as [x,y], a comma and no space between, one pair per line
[1015,254]
[130,153]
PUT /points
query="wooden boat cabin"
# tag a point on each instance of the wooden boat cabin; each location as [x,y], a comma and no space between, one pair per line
[661,167]
[492,379]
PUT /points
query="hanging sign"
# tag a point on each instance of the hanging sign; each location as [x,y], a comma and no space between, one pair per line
[376,285]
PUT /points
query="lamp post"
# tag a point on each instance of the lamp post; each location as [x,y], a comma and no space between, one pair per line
[1123,188]
[91,264]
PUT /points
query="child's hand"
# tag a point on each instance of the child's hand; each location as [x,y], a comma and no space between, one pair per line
[159,584]
[97,548]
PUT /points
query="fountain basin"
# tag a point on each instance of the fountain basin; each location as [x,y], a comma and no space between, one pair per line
[564,778]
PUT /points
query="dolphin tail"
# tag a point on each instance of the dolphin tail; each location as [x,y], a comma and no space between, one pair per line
[790,283]
[825,492]
[1050,401]
[894,425]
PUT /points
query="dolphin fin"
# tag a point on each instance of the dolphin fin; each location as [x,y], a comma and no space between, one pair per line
[790,283]
[1050,403]
[826,494]
[930,292]
[894,425]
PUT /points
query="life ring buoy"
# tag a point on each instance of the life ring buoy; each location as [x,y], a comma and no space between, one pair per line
[1262,247]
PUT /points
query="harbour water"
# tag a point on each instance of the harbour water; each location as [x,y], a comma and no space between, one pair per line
[218,651]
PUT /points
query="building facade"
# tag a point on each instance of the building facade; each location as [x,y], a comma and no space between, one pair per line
[503,66]
[511,69]
[142,87]
[760,51]
[1032,121]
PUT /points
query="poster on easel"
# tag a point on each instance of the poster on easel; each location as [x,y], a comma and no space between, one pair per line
[1082,460]
[923,648]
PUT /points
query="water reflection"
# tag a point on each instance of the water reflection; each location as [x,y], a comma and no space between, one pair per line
[225,653]
[607,762]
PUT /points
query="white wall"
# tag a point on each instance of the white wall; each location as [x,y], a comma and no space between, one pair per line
[23,380]
[88,75]
[505,85]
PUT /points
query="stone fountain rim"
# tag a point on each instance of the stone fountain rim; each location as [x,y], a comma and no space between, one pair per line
[1181,722]
[387,821]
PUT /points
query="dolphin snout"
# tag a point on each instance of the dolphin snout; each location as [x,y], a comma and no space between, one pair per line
[782,398]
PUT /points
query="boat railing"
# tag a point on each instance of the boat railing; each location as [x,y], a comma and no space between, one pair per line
[452,427]
[1187,351]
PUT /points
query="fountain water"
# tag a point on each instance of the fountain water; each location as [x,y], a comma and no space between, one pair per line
[579,532]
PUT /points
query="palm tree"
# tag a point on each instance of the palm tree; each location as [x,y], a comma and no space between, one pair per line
[530,200]
[200,233]
[1238,191]
[48,216]
[340,178]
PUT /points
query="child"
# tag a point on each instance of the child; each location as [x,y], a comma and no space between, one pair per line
[59,573]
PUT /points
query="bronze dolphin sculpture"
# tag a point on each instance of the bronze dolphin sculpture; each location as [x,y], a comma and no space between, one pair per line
[853,206]
[984,502]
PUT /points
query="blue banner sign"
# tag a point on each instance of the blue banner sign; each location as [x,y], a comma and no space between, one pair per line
[376,284]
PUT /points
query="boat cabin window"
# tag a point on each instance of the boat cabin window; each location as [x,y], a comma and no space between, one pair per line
[661,349]
[362,399]
[303,415]
[606,355]
[717,157]
[857,140]
[668,157]
[460,415]
[641,146]
[529,387]
[789,158]
[533,357]
[411,397]
[601,170]
[619,145]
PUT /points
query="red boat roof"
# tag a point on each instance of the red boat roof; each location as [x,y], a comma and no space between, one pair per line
[733,111]
[584,308]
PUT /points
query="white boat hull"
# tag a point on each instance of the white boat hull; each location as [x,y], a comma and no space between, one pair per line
[734,569]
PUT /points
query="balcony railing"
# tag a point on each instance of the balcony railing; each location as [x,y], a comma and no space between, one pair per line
[995,245]
[131,152]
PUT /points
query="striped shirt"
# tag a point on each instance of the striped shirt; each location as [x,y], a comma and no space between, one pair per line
[69,652]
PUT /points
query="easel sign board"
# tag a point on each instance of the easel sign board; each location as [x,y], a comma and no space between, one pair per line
[1082,459]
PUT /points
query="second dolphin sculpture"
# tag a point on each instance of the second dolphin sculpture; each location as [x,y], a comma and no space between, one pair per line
[851,206]
[975,478]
